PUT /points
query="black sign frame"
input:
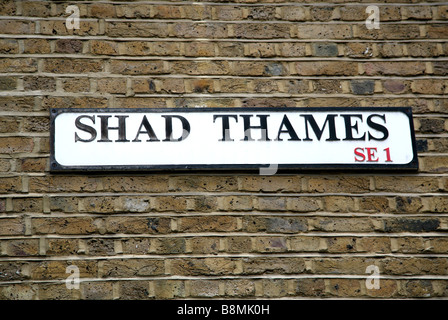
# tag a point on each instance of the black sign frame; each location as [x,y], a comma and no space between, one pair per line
[55,167]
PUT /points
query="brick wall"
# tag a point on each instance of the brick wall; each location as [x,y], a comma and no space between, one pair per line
[221,235]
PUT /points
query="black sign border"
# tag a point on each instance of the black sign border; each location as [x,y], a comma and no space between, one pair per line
[56,167]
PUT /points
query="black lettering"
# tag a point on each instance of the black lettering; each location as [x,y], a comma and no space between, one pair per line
[309,119]
[225,125]
[378,127]
[148,130]
[349,127]
[169,128]
[289,130]
[248,127]
[105,129]
[85,128]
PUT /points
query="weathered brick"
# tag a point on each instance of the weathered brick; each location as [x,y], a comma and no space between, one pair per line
[338,184]
[71,225]
[204,245]
[358,50]
[170,203]
[415,266]
[137,67]
[374,204]
[411,225]
[73,102]
[8,8]
[271,204]
[349,265]
[325,49]
[25,65]
[261,50]
[125,268]
[200,67]
[10,184]
[22,247]
[12,226]
[345,244]
[8,83]
[423,49]
[59,27]
[104,47]
[417,288]
[36,9]
[9,46]
[65,65]
[62,247]
[39,83]
[137,29]
[230,49]
[199,49]
[310,287]
[134,290]
[10,125]
[228,13]
[270,244]
[293,49]
[100,247]
[102,10]
[112,85]
[293,13]
[76,85]
[240,287]
[325,31]
[169,289]
[13,271]
[440,68]
[406,184]
[36,124]
[429,86]
[17,26]
[304,204]
[261,31]
[36,46]
[329,224]
[237,203]
[239,244]
[203,266]
[207,224]
[389,32]
[409,244]
[320,68]
[436,31]
[388,288]
[52,270]
[283,265]
[204,288]
[20,292]
[97,290]
[27,205]
[394,68]
[69,46]
[137,225]
[134,11]
[274,288]
[373,244]
[261,13]
[305,244]
[396,86]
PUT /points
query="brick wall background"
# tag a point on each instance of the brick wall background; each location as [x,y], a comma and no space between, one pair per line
[221,235]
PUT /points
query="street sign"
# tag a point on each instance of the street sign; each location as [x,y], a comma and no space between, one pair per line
[232,138]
